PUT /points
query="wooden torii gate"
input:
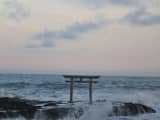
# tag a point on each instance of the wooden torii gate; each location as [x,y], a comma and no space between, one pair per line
[80,79]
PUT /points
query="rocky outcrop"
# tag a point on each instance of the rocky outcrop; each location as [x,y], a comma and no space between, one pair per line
[15,107]
[51,110]
[54,113]
[126,109]
[63,112]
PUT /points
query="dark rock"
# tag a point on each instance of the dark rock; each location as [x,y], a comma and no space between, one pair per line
[57,113]
[41,103]
[126,109]
[50,104]
[13,107]
[60,113]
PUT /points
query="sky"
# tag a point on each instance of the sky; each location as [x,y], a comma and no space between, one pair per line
[111,37]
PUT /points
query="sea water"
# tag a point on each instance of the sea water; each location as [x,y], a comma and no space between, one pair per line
[109,89]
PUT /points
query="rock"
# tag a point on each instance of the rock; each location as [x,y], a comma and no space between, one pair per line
[126,109]
[13,107]
[60,113]
[57,113]
[43,103]
[50,104]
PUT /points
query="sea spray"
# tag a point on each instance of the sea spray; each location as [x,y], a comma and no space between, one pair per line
[97,112]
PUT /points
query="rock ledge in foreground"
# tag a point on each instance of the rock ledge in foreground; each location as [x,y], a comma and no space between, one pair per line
[126,109]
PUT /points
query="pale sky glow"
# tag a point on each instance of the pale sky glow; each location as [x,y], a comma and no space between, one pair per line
[111,37]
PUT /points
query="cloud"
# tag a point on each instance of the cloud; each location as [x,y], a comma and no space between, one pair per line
[14,9]
[48,38]
[124,2]
[103,3]
[141,17]
[88,3]
[97,3]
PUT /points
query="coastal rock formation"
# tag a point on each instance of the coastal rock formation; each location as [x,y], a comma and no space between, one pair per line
[127,109]
[52,110]
[54,113]
[13,107]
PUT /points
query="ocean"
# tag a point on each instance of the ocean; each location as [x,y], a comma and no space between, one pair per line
[109,89]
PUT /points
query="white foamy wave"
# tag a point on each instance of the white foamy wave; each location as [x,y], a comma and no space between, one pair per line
[102,111]
[150,98]
[4,93]
[97,112]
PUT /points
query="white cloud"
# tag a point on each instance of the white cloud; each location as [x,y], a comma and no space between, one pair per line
[14,9]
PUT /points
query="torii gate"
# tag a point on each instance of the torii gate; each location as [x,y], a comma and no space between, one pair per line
[89,80]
